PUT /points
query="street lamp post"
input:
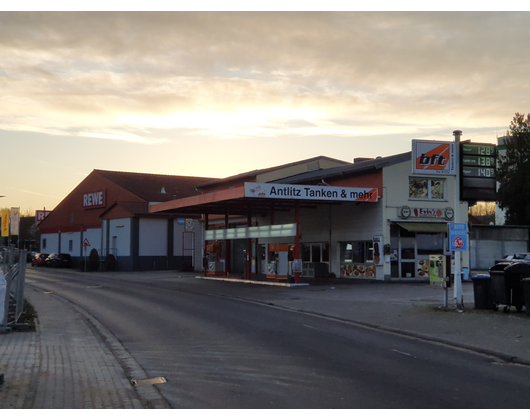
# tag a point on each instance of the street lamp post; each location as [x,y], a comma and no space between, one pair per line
[458,278]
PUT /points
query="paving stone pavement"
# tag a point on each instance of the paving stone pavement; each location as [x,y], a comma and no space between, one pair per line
[68,363]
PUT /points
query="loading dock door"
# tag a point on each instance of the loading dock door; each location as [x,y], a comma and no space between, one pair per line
[188,246]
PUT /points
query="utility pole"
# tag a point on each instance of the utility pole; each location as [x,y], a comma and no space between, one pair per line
[458,277]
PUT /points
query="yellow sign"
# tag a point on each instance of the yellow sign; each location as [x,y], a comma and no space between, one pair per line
[5,222]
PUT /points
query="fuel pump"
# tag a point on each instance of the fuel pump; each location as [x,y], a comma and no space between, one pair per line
[278,265]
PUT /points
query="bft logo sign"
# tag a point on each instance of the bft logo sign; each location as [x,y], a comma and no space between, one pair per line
[433,160]
[433,157]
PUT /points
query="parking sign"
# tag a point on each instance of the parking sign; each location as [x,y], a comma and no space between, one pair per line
[458,236]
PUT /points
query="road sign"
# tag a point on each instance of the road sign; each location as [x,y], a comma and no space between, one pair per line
[458,236]
[85,242]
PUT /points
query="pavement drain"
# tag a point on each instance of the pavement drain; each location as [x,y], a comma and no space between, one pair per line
[152,381]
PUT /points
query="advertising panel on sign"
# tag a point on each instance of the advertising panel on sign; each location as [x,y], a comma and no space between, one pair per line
[15,220]
[5,222]
[458,236]
[433,157]
[310,192]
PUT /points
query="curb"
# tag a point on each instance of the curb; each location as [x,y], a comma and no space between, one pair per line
[148,396]
[502,356]
[264,283]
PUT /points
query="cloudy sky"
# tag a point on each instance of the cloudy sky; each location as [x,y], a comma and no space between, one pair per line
[220,93]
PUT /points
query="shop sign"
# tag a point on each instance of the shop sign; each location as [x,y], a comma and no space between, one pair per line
[458,236]
[40,215]
[5,222]
[377,242]
[433,157]
[94,200]
[15,220]
[310,192]
[428,213]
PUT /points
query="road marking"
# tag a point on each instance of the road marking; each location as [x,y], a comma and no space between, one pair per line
[406,354]
[151,381]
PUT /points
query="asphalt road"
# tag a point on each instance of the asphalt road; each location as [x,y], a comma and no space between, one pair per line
[217,351]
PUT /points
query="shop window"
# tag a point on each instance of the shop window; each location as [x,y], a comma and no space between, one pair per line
[44,243]
[426,189]
[317,252]
[408,248]
[430,244]
[356,252]
[325,252]
[408,269]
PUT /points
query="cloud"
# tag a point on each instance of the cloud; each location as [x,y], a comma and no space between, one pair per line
[122,75]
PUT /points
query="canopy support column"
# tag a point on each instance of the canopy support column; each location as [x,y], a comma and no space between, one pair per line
[296,255]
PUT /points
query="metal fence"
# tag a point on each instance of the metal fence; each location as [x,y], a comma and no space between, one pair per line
[12,283]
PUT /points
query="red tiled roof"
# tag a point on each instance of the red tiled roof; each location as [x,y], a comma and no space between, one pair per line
[149,187]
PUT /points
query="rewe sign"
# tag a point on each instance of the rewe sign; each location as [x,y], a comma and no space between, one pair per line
[94,200]
[40,215]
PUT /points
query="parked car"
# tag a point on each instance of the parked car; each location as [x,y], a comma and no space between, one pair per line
[58,260]
[39,260]
[519,257]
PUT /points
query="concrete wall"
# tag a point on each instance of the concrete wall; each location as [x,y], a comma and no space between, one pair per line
[488,243]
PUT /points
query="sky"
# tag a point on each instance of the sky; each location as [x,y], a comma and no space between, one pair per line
[215,94]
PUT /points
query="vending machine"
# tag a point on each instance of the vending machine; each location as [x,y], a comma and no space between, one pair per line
[437,270]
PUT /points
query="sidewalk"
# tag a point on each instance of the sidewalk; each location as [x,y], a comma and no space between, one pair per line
[72,361]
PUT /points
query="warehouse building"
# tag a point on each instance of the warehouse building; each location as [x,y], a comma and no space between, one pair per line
[109,212]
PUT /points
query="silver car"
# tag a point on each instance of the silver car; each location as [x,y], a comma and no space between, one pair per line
[518,257]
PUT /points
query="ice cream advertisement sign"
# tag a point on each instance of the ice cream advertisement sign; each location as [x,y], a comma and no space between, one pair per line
[433,157]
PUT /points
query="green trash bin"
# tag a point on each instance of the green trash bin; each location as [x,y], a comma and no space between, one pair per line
[482,291]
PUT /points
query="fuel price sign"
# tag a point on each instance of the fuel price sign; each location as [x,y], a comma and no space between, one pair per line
[478,162]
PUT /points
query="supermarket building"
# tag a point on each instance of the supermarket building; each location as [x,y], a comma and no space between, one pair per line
[319,217]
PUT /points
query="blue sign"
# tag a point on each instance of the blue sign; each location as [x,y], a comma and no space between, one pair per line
[458,236]
[180,221]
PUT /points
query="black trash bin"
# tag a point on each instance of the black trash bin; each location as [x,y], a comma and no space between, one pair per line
[506,284]
[515,272]
[498,284]
[482,291]
[526,292]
